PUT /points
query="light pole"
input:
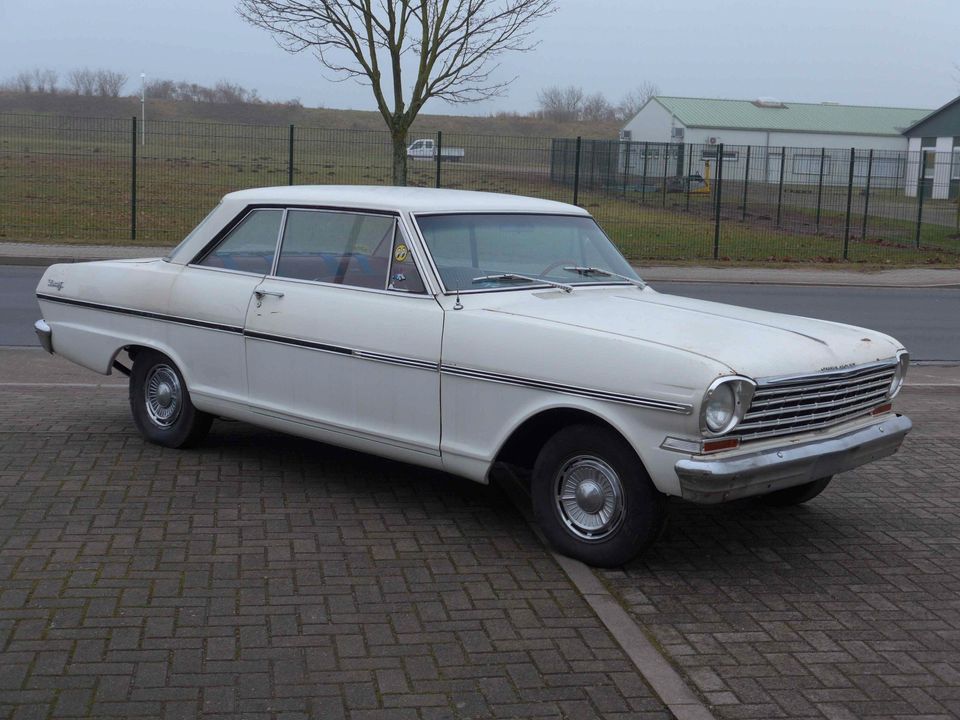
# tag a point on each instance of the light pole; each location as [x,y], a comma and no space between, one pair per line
[143,109]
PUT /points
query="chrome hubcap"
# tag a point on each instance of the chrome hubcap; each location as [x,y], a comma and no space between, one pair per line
[589,497]
[163,395]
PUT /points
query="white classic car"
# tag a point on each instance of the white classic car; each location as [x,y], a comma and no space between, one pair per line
[463,330]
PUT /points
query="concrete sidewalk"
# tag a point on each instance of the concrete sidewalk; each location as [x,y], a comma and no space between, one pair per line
[823,274]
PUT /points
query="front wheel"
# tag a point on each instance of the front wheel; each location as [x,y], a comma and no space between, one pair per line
[593,498]
[161,405]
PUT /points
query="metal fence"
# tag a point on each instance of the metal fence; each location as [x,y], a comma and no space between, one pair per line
[110,180]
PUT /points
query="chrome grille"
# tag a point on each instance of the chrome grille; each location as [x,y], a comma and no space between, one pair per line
[784,406]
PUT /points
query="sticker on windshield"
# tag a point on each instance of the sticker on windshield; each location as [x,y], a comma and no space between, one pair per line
[400,253]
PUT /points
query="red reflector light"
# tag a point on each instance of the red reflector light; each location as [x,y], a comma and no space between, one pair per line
[885,408]
[717,445]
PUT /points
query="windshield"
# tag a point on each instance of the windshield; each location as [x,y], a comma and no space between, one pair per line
[496,251]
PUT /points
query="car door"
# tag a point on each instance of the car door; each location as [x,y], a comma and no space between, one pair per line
[343,336]
[210,298]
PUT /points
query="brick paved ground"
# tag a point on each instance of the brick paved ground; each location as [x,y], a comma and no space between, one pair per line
[846,608]
[263,576]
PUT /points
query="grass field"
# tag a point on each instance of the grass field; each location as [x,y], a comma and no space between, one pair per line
[70,180]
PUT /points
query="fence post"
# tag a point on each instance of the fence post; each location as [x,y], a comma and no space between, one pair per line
[643,180]
[290,157]
[716,227]
[666,169]
[783,162]
[866,199]
[846,227]
[923,171]
[133,178]
[823,157]
[687,176]
[626,166]
[576,174]
[746,184]
[439,154]
[592,182]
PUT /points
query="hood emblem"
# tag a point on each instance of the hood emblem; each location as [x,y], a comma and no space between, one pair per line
[837,367]
[55,284]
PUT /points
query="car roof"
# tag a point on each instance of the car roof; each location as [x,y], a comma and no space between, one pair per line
[403,199]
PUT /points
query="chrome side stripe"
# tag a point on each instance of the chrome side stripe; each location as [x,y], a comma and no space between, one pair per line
[395,360]
[340,350]
[162,317]
[455,370]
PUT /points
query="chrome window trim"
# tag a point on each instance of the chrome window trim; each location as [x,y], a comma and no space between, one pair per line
[226,232]
[348,211]
[228,271]
[279,246]
[428,291]
[338,286]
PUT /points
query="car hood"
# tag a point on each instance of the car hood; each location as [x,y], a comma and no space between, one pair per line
[750,342]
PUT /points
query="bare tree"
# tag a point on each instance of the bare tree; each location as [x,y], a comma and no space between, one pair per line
[596,108]
[636,99]
[24,82]
[453,46]
[561,104]
[109,83]
[83,81]
[45,80]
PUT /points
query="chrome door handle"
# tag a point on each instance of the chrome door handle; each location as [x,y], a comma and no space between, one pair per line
[260,293]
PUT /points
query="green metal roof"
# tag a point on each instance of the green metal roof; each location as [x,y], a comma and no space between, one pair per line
[792,117]
[940,123]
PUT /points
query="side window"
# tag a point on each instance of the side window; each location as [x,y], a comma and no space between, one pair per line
[403,271]
[251,245]
[333,247]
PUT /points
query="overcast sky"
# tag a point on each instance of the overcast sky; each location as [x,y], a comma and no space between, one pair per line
[866,52]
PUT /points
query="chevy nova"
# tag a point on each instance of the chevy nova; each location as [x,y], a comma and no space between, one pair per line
[460,331]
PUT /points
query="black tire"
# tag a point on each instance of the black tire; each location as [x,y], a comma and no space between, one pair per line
[588,524]
[798,494]
[161,405]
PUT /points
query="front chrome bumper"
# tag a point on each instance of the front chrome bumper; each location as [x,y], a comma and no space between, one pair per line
[45,334]
[714,480]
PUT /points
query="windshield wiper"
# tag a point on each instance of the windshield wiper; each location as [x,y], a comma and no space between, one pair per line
[600,271]
[517,276]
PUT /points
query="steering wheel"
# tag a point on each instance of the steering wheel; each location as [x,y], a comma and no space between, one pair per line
[555,264]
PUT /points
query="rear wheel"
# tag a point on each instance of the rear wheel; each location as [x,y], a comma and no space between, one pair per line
[798,494]
[592,497]
[161,405]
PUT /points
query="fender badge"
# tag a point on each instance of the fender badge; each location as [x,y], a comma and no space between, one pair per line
[58,284]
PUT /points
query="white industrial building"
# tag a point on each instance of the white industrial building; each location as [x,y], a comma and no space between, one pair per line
[803,133]
[934,158]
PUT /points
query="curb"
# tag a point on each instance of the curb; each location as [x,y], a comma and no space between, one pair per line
[801,283]
[667,684]
[651,274]
[39,261]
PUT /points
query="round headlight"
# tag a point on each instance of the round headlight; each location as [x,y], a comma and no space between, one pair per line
[720,408]
[900,374]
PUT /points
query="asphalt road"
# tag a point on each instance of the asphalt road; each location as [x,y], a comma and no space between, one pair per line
[926,320]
